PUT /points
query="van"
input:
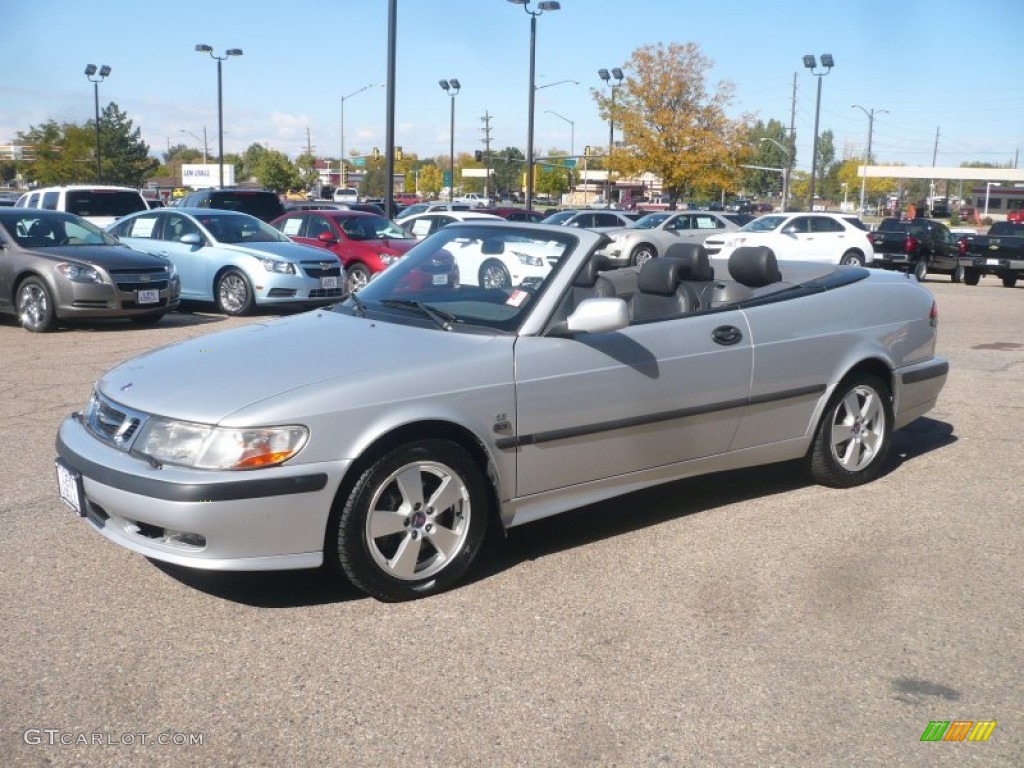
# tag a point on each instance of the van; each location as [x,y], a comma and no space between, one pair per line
[261,203]
[101,205]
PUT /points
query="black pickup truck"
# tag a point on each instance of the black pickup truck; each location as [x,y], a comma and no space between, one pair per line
[917,245]
[1000,252]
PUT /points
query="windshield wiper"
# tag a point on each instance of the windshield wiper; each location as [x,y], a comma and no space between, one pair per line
[360,306]
[444,320]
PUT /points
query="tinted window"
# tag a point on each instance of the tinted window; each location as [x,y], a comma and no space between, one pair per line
[261,204]
[103,202]
[826,225]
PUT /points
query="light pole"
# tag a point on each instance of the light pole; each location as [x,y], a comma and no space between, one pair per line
[572,137]
[867,161]
[988,188]
[220,102]
[785,168]
[452,87]
[101,75]
[544,5]
[341,169]
[828,62]
[616,73]
[198,139]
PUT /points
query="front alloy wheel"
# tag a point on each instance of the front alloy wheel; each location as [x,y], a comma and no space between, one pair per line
[35,307]
[853,259]
[234,295]
[642,254]
[852,440]
[356,277]
[413,523]
[494,275]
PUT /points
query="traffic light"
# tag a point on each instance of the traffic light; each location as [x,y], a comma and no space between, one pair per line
[398,153]
[479,156]
[344,175]
[376,153]
[586,151]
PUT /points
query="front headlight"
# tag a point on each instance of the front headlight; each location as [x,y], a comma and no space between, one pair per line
[387,258]
[528,260]
[203,446]
[81,273]
[282,267]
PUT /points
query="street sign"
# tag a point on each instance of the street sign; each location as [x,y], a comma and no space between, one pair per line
[448,178]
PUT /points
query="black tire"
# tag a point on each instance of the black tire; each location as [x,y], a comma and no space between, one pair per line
[366,538]
[1009,281]
[852,441]
[957,275]
[356,276]
[35,308]
[493,274]
[147,319]
[921,269]
[233,293]
[642,253]
[972,276]
[853,258]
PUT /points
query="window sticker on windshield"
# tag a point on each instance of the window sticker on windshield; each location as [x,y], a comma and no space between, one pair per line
[517,298]
[143,227]
[291,227]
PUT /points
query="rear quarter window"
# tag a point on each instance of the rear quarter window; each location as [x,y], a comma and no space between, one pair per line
[103,202]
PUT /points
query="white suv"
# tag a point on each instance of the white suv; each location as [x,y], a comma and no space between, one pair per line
[102,205]
[829,237]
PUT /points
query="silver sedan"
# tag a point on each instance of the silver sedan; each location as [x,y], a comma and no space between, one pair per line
[650,236]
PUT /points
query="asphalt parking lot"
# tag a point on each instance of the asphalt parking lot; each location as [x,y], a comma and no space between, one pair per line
[742,619]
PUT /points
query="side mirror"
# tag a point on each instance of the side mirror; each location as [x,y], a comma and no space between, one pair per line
[597,315]
[192,238]
[327,237]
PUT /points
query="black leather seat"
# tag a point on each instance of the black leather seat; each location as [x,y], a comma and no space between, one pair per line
[700,274]
[751,267]
[590,283]
[661,290]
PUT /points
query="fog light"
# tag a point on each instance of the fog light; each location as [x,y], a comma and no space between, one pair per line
[184,539]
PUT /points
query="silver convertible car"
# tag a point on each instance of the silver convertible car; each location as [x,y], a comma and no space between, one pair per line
[385,434]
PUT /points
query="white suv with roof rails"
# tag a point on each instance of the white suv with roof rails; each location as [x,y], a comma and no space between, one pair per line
[102,205]
[827,237]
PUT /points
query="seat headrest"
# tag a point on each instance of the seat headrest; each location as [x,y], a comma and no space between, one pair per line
[754,266]
[587,276]
[695,255]
[660,276]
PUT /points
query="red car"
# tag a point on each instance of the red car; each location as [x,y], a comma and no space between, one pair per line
[365,243]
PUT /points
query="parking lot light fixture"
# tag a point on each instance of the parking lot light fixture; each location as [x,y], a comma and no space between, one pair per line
[617,76]
[203,48]
[827,62]
[451,86]
[342,182]
[870,113]
[97,76]
[785,168]
[544,5]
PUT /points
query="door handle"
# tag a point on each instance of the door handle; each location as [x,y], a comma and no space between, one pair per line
[726,335]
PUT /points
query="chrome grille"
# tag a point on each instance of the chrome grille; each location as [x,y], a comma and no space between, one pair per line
[112,423]
[129,280]
[322,268]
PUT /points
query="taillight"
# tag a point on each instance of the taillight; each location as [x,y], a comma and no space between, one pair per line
[933,316]
[961,246]
[910,244]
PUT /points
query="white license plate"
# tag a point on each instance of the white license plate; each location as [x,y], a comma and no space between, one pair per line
[441,279]
[329,283]
[150,296]
[69,485]
[992,262]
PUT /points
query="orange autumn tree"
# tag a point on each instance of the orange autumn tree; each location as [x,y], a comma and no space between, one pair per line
[672,125]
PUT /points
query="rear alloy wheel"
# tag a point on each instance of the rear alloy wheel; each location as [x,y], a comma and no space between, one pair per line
[356,277]
[853,259]
[642,254]
[921,269]
[35,306]
[1009,281]
[234,294]
[853,437]
[972,276]
[413,523]
[493,274]
[957,275]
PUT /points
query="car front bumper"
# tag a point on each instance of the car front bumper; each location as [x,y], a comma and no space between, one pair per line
[267,519]
[105,300]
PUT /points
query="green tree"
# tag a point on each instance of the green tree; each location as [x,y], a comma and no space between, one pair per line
[276,172]
[306,166]
[431,180]
[771,148]
[509,166]
[125,156]
[672,125]
[63,153]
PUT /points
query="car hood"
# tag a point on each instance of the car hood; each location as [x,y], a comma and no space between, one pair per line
[105,256]
[285,251]
[209,378]
[386,245]
[617,232]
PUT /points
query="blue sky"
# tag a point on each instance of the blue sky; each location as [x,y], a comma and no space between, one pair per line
[951,67]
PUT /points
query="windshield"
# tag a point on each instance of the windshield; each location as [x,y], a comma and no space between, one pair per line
[239,228]
[650,221]
[764,224]
[559,218]
[32,230]
[470,275]
[373,228]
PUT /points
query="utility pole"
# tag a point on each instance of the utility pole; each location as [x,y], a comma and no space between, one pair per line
[486,130]
[792,148]
[931,187]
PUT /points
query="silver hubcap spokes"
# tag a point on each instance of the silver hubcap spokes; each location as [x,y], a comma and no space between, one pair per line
[356,279]
[418,520]
[643,256]
[233,293]
[32,305]
[859,429]
[494,277]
